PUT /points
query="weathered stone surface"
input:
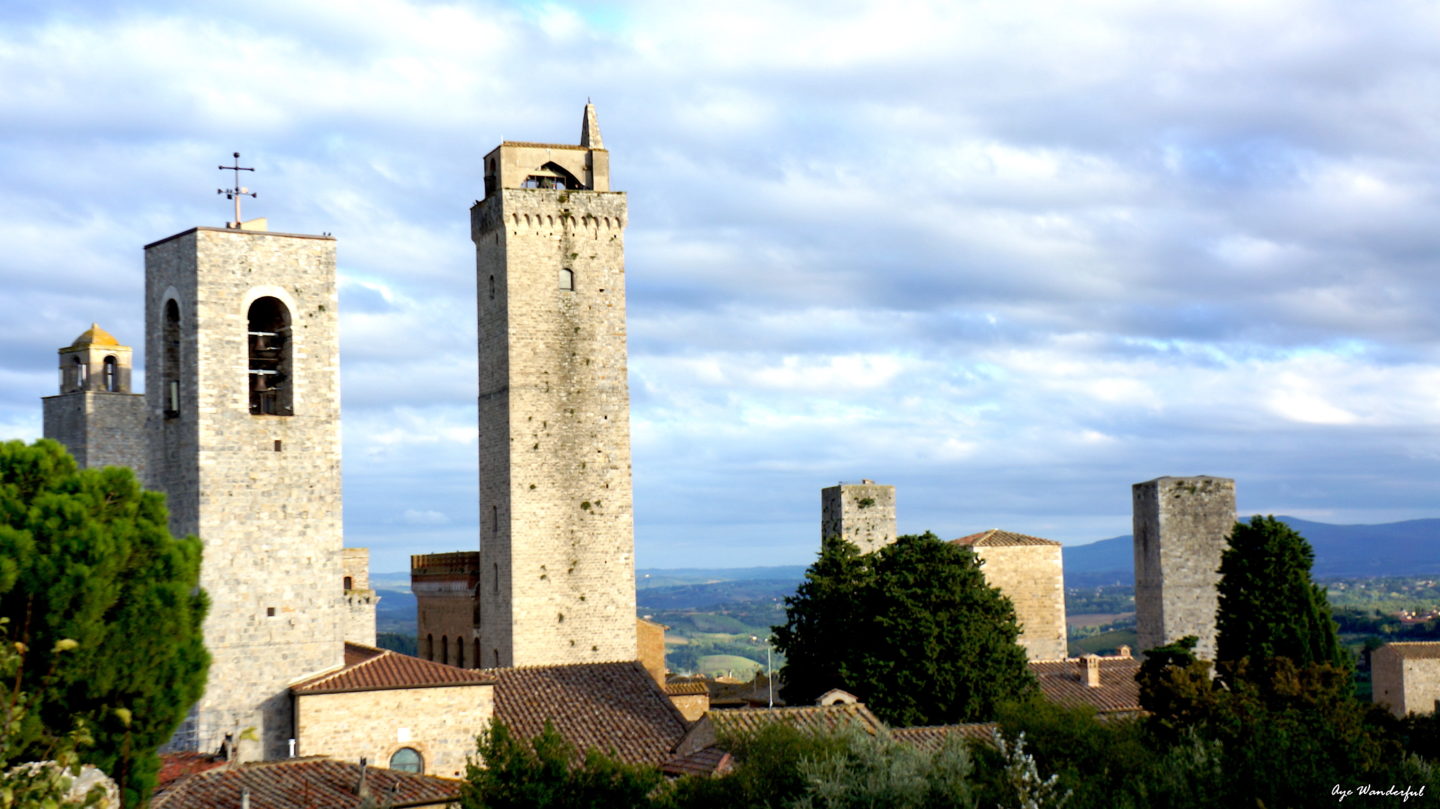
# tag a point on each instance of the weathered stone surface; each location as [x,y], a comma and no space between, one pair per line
[95,415]
[861,513]
[1033,578]
[261,491]
[447,613]
[1181,528]
[1406,677]
[361,601]
[440,723]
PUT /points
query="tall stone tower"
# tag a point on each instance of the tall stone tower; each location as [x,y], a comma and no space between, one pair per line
[95,415]
[862,513]
[557,570]
[242,384]
[1181,528]
[1030,572]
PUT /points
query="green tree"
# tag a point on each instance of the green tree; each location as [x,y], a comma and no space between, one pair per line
[912,629]
[548,771]
[1269,607]
[86,555]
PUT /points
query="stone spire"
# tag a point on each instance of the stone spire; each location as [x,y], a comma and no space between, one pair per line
[590,129]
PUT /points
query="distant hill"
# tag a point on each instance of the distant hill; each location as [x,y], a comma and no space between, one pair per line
[1408,548]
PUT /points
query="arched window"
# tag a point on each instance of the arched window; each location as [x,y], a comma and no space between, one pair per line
[407,759]
[82,373]
[460,652]
[478,664]
[429,647]
[567,279]
[112,375]
[270,359]
[444,650]
[171,370]
[349,583]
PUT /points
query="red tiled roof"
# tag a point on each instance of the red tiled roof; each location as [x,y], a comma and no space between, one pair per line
[302,783]
[612,707]
[710,761]
[1062,684]
[370,669]
[997,538]
[174,766]
[680,688]
[1413,649]
[931,738]
[827,717]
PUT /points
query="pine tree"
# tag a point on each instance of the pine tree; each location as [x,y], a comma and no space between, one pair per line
[1269,607]
[912,629]
[86,555]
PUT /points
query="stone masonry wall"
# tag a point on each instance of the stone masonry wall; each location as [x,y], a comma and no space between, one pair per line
[361,601]
[1181,526]
[440,723]
[1033,578]
[262,492]
[99,428]
[556,545]
[861,513]
[446,607]
[1404,681]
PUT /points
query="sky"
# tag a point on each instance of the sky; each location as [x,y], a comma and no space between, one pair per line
[1010,257]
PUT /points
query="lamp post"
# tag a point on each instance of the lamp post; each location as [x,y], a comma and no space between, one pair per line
[769,674]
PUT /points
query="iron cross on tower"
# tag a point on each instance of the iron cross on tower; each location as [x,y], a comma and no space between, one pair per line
[238,191]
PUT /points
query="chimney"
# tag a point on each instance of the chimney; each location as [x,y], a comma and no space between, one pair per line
[362,789]
[1125,652]
[1089,666]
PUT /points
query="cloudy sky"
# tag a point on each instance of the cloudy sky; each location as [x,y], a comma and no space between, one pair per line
[1011,257]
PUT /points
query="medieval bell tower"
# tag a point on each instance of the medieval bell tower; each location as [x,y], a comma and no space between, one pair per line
[556,567]
[242,387]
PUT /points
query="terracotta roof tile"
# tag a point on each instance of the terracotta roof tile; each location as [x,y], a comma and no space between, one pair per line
[828,717]
[301,783]
[174,766]
[998,538]
[680,688]
[932,738]
[370,669]
[1413,649]
[1060,682]
[710,761]
[613,707]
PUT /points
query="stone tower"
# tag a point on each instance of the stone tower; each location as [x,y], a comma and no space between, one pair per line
[557,582]
[862,513]
[242,385]
[95,415]
[1030,572]
[1181,528]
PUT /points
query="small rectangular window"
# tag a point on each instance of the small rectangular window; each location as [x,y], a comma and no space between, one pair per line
[567,279]
[269,612]
[277,445]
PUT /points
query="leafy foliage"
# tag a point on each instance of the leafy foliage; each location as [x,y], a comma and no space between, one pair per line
[1268,605]
[86,556]
[913,629]
[513,773]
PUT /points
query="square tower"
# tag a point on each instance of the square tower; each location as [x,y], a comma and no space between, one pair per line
[1182,526]
[1031,573]
[95,415]
[860,513]
[243,391]
[557,570]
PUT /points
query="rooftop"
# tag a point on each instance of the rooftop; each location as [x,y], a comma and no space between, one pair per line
[1061,681]
[997,538]
[370,669]
[299,783]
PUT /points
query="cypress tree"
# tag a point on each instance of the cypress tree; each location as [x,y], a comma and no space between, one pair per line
[1269,607]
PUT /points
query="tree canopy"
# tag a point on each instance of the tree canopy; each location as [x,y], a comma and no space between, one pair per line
[86,556]
[912,629]
[1269,607]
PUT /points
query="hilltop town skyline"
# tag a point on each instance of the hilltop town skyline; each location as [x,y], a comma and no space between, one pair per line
[1085,259]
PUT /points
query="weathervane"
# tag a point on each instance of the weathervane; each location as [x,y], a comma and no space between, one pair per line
[238,191]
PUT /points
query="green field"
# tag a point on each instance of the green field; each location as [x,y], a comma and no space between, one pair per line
[741,668]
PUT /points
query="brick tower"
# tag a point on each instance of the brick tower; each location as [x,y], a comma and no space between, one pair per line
[1181,528]
[862,513]
[95,415]
[242,385]
[557,570]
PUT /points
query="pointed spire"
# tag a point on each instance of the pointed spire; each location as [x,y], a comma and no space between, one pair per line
[590,128]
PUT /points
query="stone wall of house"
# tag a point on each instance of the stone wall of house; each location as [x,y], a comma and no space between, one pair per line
[261,491]
[446,607]
[1033,578]
[556,543]
[361,601]
[440,723]
[861,513]
[650,640]
[1181,527]
[1406,677]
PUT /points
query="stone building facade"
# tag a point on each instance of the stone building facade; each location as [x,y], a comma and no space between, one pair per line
[447,607]
[861,513]
[556,579]
[1182,526]
[1406,677]
[1030,572]
[95,415]
[242,388]
[361,602]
